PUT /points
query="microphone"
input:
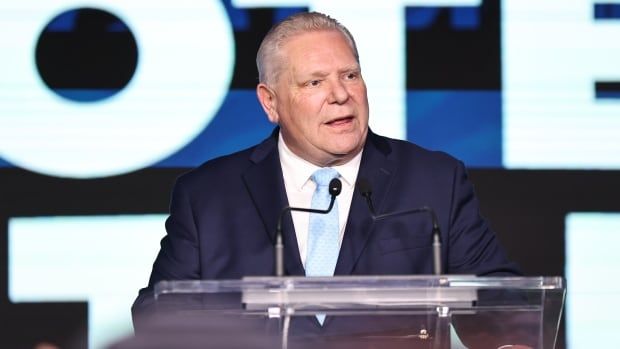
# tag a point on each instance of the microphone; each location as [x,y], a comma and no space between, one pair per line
[335,187]
[366,191]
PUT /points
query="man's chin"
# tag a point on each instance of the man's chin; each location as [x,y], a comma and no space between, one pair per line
[344,155]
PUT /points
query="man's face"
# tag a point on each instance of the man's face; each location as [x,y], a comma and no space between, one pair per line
[319,99]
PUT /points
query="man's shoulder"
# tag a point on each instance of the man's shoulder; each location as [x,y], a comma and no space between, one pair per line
[218,169]
[228,167]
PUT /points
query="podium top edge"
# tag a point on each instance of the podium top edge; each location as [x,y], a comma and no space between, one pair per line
[300,283]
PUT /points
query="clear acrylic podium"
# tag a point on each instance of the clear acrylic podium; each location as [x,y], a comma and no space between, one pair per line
[448,311]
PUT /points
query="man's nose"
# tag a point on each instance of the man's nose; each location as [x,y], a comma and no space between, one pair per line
[339,93]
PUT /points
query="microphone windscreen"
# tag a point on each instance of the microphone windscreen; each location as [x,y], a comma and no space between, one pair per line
[335,187]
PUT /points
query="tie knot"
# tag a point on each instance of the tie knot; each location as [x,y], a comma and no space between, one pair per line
[323,176]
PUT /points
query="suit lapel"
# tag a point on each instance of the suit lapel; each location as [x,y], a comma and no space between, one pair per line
[265,184]
[377,168]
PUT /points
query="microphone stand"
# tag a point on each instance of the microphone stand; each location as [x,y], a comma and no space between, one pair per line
[279,246]
[335,187]
[443,318]
[366,193]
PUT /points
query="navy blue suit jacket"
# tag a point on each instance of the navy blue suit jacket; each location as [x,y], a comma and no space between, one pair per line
[223,218]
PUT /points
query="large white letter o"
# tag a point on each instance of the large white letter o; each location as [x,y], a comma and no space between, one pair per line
[185,64]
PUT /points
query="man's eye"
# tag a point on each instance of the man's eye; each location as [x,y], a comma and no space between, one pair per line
[314,83]
[351,76]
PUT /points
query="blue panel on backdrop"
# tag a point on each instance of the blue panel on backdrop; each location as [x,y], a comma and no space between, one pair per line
[465,18]
[607,11]
[239,18]
[465,124]
[424,17]
[239,124]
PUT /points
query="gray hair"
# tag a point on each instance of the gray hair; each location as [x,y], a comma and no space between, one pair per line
[267,60]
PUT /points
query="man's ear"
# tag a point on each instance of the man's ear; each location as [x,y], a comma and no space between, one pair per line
[268,100]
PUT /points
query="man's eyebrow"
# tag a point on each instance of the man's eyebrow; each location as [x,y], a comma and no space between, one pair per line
[318,73]
[322,73]
[353,68]
[305,75]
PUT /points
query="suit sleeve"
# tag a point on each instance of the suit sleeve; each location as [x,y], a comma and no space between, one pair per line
[178,258]
[473,248]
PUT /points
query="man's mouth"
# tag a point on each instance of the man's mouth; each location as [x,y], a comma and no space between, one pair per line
[340,121]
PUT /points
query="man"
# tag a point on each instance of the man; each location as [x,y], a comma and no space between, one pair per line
[223,215]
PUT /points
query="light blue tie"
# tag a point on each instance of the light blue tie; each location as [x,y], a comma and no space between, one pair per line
[323,230]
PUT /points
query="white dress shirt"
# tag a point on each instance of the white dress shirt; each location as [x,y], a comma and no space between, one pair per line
[300,188]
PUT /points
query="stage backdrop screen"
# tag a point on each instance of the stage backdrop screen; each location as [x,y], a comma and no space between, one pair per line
[98,89]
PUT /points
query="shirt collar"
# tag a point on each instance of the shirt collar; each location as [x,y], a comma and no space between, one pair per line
[301,170]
